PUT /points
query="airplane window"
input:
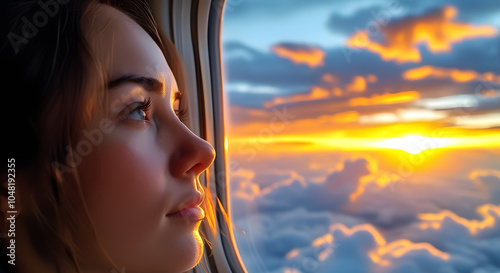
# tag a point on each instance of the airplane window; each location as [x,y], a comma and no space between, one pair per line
[363,136]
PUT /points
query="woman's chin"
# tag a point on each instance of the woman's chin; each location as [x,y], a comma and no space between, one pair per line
[198,248]
[192,252]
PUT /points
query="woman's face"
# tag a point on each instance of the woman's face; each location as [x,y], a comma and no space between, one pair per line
[140,180]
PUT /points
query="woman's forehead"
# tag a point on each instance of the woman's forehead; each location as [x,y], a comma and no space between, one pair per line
[124,47]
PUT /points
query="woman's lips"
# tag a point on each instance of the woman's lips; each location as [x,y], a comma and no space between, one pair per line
[193,214]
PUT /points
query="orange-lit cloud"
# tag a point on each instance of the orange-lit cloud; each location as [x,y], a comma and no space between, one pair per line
[456,75]
[359,83]
[246,189]
[476,174]
[437,30]
[292,254]
[490,93]
[384,251]
[377,177]
[308,55]
[399,248]
[316,93]
[343,117]
[387,98]
[488,212]
[329,78]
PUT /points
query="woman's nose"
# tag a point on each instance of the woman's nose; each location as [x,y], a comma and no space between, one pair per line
[192,156]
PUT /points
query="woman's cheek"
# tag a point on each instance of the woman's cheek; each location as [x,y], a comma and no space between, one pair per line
[124,183]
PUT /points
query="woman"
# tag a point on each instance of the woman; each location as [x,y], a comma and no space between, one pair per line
[106,173]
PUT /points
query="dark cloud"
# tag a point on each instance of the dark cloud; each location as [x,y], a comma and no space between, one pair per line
[349,24]
[264,69]
[468,55]
[393,11]
[295,46]
[269,237]
[329,195]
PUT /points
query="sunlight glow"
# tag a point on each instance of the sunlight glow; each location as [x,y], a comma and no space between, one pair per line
[414,144]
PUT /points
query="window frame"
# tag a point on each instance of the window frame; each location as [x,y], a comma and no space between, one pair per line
[194,26]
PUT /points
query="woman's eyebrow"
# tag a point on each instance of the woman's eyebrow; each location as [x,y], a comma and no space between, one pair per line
[148,83]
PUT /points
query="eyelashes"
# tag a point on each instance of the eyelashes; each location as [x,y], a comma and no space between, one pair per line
[181,113]
[178,106]
[136,112]
[140,112]
[145,105]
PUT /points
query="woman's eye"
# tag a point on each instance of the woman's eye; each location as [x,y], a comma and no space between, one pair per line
[139,112]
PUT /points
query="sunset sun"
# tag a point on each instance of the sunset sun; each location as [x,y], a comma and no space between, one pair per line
[414,144]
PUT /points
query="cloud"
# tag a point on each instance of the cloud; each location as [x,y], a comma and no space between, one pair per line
[360,186]
[489,181]
[300,54]
[293,191]
[343,117]
[394,198]
[278,77]
[359,83]
[245,187]
[463,105]
[491,120]
[244,65]
[330,78]
[396,223]
[362,248]
[456,75]
[269,237]
[437,30]
[402,115]
[376,177]
[316,93]
[387,98]
[250,89]
[489,213]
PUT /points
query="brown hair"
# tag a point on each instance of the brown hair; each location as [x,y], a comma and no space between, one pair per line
[50,68]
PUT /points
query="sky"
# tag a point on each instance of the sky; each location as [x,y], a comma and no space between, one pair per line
[364,136]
